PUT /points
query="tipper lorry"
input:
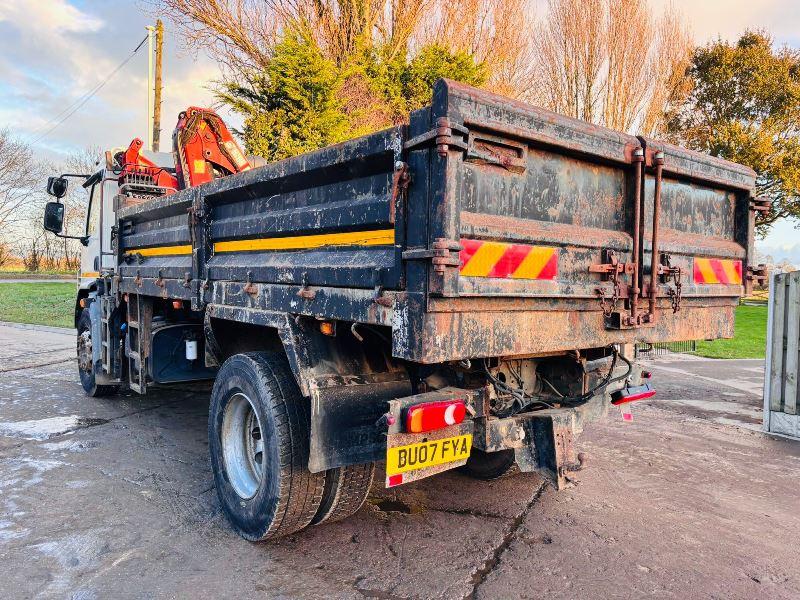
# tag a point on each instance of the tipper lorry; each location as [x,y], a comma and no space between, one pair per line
[464,290]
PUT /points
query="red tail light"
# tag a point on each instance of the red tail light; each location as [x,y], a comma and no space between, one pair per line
[631,394]
[434,415]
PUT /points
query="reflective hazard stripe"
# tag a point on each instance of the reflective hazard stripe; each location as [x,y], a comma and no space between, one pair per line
[380,237]
[162,250]
[507,261]
[717,270]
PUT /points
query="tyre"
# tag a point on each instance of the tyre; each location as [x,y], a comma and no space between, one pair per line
[85,363]
[489,465]
[346,489]
[258,431]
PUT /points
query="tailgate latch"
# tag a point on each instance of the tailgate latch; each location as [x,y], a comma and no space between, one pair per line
[611,269]
[667,272]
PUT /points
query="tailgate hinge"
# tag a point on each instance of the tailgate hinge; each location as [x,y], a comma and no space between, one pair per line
[761,204]
[442,254]
[442,136]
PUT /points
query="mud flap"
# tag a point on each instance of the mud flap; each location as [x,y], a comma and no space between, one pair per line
[345,418]
[550,449]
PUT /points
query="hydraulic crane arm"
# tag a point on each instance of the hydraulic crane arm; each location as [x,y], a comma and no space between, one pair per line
[140,175]
[204,148]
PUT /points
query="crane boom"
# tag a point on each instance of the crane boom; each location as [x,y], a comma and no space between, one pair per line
[204,150]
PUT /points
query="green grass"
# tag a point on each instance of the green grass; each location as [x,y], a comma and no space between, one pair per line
[38,303]
[749,341]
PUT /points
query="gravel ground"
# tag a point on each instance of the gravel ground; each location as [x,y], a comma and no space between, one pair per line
[105,498]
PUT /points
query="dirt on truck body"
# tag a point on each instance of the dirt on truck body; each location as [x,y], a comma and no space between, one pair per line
[462,291]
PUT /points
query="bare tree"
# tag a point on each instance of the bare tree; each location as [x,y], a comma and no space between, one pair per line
[240,34]
[5,253]
[496,32]
[611,62]
[20,179]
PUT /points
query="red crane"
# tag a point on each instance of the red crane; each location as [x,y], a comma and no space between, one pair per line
[204,150]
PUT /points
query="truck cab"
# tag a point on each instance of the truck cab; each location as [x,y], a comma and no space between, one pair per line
[102,188]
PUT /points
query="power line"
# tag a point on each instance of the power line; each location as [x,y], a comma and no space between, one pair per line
[80,102]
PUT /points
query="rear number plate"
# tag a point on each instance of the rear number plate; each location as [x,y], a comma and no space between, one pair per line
[422,455]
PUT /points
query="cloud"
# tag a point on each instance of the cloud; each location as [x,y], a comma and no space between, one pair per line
[55,51]
[53,16]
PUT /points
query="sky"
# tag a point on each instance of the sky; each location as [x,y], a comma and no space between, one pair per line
[53,51]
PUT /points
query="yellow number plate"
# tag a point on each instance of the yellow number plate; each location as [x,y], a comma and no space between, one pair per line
[427,454]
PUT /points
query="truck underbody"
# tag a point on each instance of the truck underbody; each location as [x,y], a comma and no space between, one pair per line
[461,291]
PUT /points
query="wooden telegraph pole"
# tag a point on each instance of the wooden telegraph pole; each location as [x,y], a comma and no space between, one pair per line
[157,98]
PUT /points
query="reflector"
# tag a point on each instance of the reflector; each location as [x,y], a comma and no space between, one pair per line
[631,394]
[393,480]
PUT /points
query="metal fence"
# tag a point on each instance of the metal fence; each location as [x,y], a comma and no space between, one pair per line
[665,349]
[781,404]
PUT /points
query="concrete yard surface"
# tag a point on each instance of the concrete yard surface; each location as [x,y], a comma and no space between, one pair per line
[113,498]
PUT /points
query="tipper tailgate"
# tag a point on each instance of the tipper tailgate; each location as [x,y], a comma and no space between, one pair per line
[544,229]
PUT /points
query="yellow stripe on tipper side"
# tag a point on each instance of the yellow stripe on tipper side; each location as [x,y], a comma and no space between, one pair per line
[162,250]
[380,237]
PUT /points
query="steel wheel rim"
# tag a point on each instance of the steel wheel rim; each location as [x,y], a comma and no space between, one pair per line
[242,446]
[85,352]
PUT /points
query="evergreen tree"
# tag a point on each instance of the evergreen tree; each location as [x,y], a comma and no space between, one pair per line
[303,101]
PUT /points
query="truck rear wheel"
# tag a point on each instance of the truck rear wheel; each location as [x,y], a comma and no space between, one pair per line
[258,430]
[346,489]
[489,465]
[85,361]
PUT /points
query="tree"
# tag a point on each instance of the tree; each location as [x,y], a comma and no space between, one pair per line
[306,73]
[592,62]
[745,107]
[432,63]
[291,107]
[20,180]
[302,100]
[584,58]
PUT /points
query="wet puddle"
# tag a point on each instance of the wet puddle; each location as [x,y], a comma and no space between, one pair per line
[44,429]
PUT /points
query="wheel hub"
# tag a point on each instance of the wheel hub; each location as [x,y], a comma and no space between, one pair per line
[242,446]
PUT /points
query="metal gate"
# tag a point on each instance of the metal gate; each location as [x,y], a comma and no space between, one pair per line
[781,403]
[663,349]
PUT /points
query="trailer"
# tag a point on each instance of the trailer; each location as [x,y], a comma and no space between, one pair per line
[460,291]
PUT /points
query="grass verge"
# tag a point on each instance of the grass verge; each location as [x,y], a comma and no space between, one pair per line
[749,341]
[38,303]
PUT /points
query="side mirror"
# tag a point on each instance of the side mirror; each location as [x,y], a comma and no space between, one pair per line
[57,186]
[54,214]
